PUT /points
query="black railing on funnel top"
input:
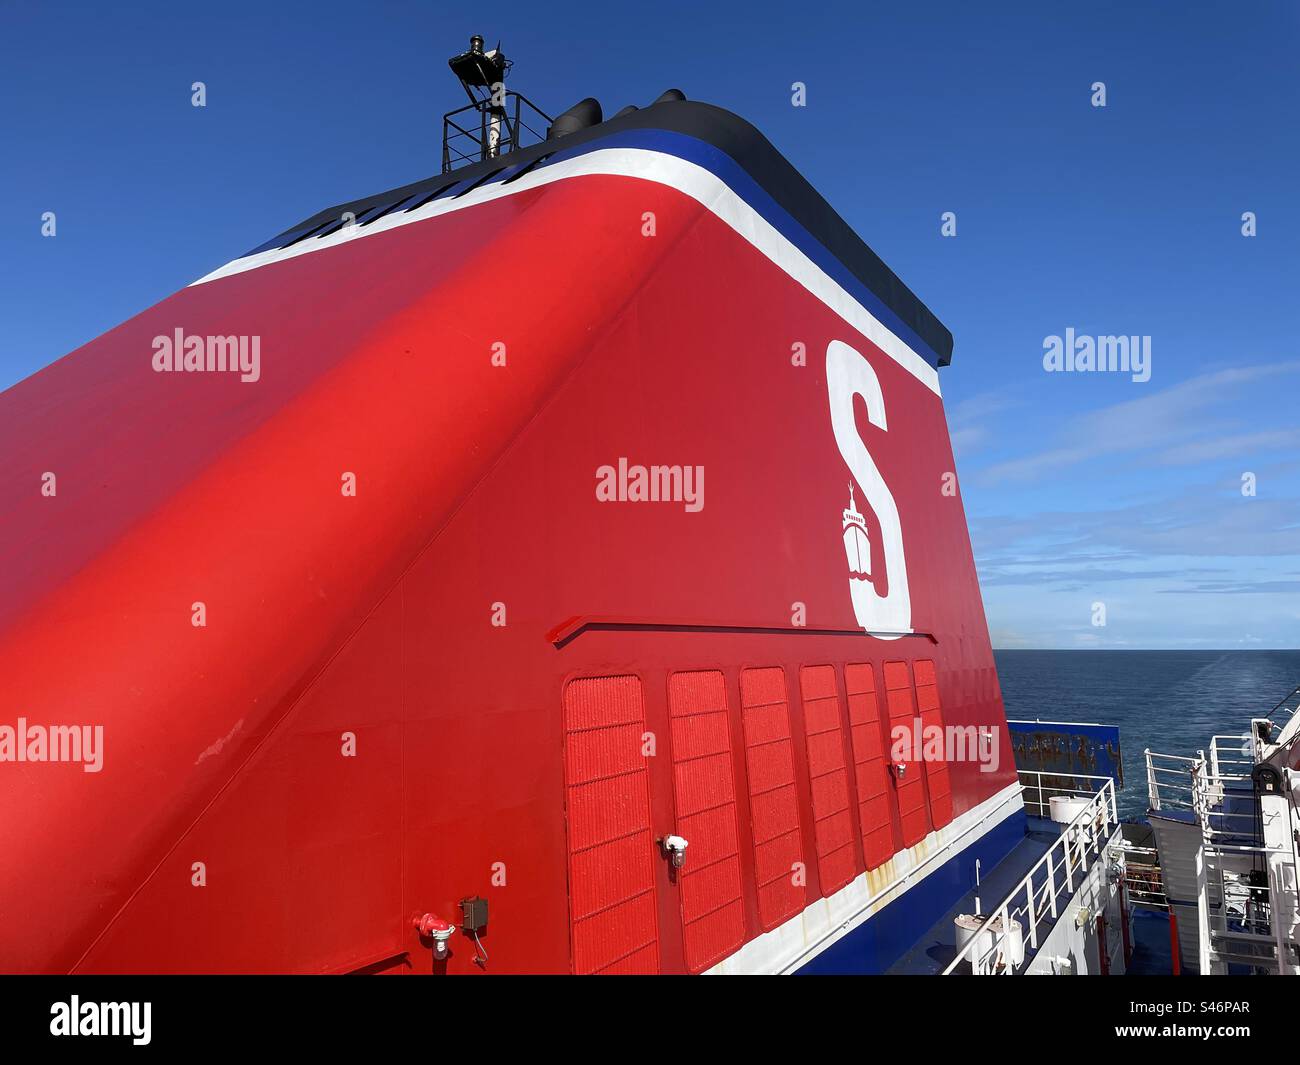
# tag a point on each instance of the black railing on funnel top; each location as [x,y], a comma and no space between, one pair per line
[468,138]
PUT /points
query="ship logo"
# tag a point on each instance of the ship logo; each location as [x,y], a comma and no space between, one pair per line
[857,544]
[882,600]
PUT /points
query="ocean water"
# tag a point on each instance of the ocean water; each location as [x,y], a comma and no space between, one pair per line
[1170,701]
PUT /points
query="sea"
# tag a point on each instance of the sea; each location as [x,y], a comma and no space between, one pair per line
[1169,701]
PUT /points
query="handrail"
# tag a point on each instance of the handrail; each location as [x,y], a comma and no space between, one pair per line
[1069,855]
[1231,750]
[1041,803]
[501,125]
[571,628]
[1204,793]
[1159,791]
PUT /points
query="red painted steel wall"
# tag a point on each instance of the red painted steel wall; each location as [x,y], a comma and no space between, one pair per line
[380,616]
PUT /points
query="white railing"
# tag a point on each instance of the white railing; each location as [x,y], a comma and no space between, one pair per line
[1037,789]
[1174,781]
[1236,911]
[1232,757]
[1239,909]
[1198,785]
[1000,945]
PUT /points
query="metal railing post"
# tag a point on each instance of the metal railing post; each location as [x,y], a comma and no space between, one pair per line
[1051,881]
[1123,919]
[1033,915]
[1069,865]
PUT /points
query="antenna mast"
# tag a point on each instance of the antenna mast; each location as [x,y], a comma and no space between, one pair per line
[482,74]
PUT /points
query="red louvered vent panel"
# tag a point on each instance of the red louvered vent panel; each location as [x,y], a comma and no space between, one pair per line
[828,772]
[611,847]
[910,789]
[874,799]
[704,800]
[937,778]
[773,803]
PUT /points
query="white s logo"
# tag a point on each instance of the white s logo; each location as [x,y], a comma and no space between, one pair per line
[848,374]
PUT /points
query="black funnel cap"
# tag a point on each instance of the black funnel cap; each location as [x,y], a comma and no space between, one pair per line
[581,115]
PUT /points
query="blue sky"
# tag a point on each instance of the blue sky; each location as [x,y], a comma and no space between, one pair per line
[1080,488]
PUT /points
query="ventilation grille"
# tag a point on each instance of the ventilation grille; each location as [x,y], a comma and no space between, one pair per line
[773,802]
[874,813]
[611,846]
[828,775]
[704,799]
[910,789]
[937,778]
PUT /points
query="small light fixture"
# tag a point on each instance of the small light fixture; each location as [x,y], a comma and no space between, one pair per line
[675,850]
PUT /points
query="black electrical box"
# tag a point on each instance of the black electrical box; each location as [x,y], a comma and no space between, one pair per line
[474,915]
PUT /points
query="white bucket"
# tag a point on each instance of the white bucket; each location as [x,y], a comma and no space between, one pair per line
[1065,808]
[1012,945]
